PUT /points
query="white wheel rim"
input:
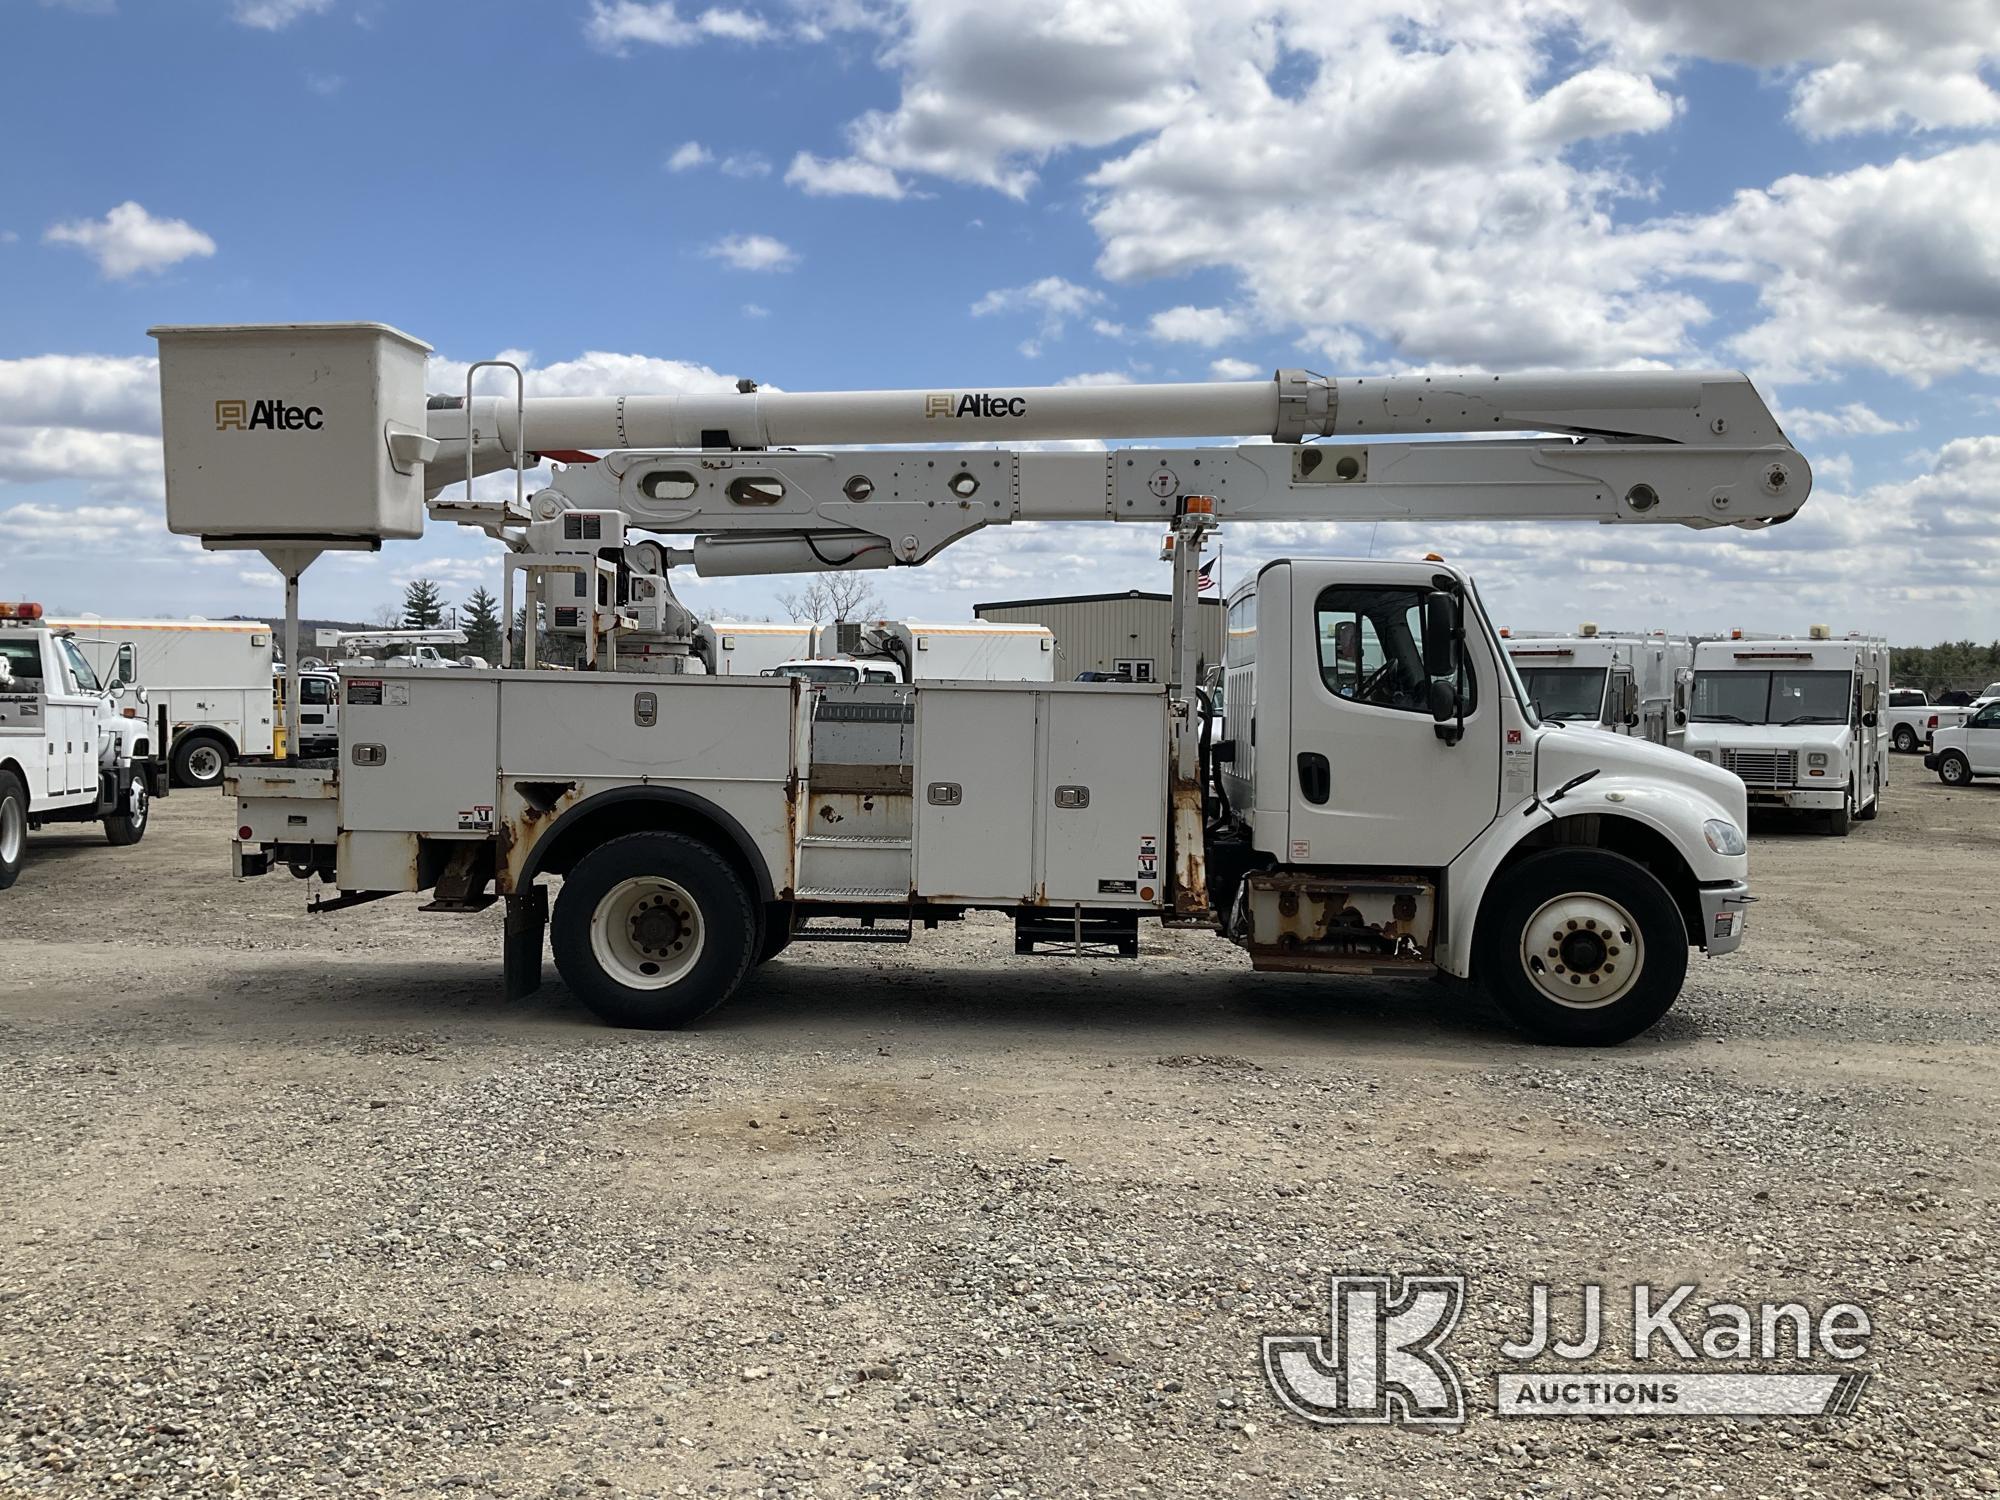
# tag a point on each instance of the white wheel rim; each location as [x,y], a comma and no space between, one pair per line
[647,933]
[204,763]
[1582,950]
[137,817]
[13,831]
[1952,771]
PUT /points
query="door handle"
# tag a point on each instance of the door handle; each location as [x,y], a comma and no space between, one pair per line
[1315,777]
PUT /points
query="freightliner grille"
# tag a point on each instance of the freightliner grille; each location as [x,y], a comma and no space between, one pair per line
[1763,767]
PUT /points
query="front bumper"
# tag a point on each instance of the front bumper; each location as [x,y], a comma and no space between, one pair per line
[1824,799]
[1930,762]
[1725,911]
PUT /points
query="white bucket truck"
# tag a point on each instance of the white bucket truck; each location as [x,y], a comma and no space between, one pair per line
[1798,719]
[1388,803]
[208,683]
[74,747]
[749,648]
[1634,684]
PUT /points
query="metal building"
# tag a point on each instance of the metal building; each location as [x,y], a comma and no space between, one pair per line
[1128,634]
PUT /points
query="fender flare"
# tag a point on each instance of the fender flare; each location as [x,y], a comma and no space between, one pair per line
[743,845]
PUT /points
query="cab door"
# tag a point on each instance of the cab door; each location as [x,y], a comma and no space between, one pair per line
[1373,781]
[73,716]
[1982,740]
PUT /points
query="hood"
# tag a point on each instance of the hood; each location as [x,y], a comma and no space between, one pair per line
[1767,736]
[1565,753]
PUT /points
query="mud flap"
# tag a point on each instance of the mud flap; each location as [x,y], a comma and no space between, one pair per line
[521,946]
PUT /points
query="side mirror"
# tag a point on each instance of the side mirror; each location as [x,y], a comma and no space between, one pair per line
[1441,629]
[1631,721]
[1445,709]
[1347,642]
[1223,752]
[1680,716]
[1871,718]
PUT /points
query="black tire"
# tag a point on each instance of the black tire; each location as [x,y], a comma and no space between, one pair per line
[128,827]
[777,932]
[1841,819]
[700,900]
[1904,739]
[1869,813]
[199,760]
[13,828]
[1500,963]
[1954,769]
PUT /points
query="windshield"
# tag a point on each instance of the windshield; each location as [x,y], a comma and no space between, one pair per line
[1521,694]
[1771,697]
[818,672]
[1565,692]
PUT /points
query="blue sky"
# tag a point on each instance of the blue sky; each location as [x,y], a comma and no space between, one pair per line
[863,193]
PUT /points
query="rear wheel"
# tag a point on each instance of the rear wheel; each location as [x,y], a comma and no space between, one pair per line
[13,827]
[1582,948]
[129,826]
[1954,769]
[1905,738]
[653,930]
[199,760]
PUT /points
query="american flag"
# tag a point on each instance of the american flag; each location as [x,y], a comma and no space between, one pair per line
[1206,577]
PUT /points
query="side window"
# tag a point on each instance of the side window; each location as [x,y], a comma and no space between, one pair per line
[86,679]
[1371,648]
[1987,717]
[315,690]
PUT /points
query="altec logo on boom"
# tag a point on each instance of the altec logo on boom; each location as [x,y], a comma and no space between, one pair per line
[272,415]
[974,404]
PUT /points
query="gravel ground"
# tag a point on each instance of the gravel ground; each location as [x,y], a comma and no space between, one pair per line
[296,1205]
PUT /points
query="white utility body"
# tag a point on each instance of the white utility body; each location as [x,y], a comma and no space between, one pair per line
[749,648]
[74,747]
[969,651]
[208,684]
[1798,718]
[1386,802]
[1629,683]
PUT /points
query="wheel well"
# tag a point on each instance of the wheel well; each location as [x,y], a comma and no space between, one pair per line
[205,732]
[20,775]
[646,810]
[1634,840]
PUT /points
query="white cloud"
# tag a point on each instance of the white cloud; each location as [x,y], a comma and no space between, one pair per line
[1234,369]
[753,252]
[1855,419]
[129,240]
[615,23]
[689,155]
[276,15]
[745,164]
[845,177]
[1097,377]
[94,392]
[1053,298]
[1207,326]
[756,310]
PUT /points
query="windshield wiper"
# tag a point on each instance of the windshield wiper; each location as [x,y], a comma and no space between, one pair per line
[1719,719]
[1813,719]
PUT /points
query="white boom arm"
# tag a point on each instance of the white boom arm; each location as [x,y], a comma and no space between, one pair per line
[1695,449]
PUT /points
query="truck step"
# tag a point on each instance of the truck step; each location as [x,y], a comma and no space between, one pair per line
[854,895]
[850,932]
[1056,935]
[852,841]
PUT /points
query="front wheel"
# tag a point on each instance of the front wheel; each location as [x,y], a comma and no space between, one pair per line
[1581,947]
[1841,819]
[13,827]
[1954,769]
[129,826]
[653,930]
[1905,739]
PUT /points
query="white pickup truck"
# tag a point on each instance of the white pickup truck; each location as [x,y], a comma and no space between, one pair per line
[72,749]
[1912,718]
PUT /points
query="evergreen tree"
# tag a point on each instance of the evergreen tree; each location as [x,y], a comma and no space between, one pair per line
[423,604]
[481,621]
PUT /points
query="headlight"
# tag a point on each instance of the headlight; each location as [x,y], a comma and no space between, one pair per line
[1723,836]
[1817,758]
[1707,755]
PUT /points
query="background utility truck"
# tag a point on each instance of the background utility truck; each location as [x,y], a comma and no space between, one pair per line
[970,651]
[749,648]
[1629,684]
[74,748]
[1798,720]
[208,683]
[1389,803]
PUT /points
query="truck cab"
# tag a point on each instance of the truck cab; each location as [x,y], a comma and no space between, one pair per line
[1393,799]
[835,671]
[1798,719]
[73,748]
[1627,683]
[319,708]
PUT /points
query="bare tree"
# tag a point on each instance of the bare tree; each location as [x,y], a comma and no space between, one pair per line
[833,597]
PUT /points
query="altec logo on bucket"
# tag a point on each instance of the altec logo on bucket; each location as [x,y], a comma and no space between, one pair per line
[272,415]
[975,404]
